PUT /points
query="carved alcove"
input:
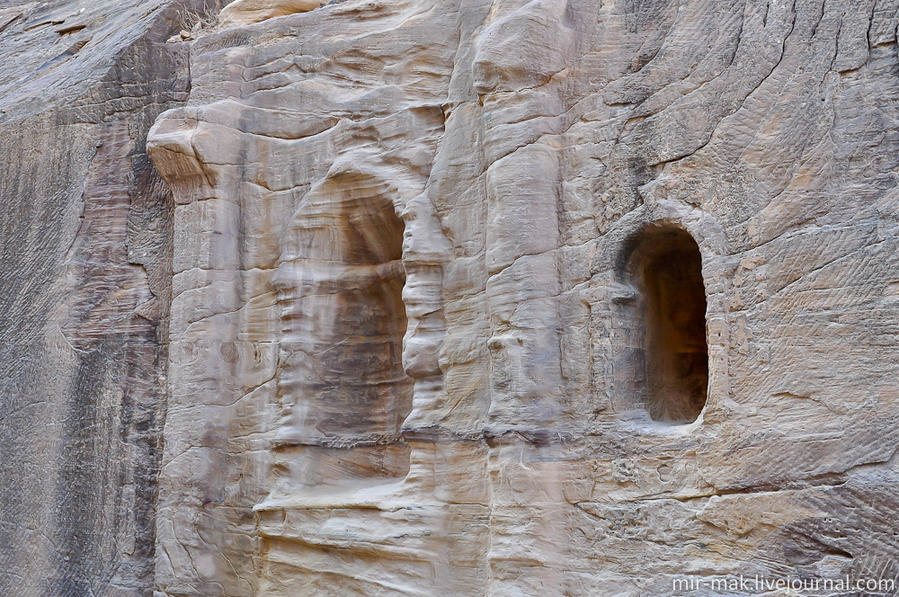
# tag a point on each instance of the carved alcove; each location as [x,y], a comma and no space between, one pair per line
[342,389]
[665,318]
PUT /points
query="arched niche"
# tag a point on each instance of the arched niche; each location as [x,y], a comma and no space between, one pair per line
[342,389]
[663,264]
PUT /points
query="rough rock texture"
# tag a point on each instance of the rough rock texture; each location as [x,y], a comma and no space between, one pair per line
[246,12]
[422,312]
[529,149]
[85,284]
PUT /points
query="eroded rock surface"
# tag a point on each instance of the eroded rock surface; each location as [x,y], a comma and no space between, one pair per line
[85,284]
[246,12]
[526,147]
[381,322]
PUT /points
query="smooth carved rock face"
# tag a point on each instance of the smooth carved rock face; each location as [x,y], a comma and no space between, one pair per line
[246,12]
[339,287]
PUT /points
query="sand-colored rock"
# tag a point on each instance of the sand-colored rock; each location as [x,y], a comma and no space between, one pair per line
[448,297]
[514,158]
[246,12]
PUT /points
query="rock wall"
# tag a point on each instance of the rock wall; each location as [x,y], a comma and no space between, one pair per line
[85,284]
[526,148]
[415,309]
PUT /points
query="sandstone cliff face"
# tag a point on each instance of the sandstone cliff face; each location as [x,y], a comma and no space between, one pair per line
[422,260]
[462,297]
[85,279]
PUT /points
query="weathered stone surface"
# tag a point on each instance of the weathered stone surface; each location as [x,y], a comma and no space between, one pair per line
[421,313]
[525,146]
[246,12]
[85,283]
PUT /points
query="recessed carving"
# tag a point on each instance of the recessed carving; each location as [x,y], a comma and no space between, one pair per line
[665,267]
[341,381]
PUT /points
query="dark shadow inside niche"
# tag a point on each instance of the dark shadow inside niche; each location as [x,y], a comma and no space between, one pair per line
[364,363]
[664,266]
[342,389]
